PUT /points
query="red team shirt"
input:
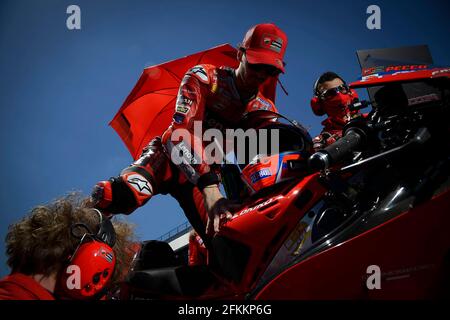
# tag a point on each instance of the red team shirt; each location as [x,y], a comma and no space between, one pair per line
[18,286]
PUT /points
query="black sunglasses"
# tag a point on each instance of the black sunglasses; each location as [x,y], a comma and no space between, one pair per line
[267,69]
[343,88]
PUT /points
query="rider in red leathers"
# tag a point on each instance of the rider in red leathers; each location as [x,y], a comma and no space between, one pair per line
[215,97]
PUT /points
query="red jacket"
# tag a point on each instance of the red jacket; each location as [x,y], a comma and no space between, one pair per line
[207,99]
[18,286]
[208,94]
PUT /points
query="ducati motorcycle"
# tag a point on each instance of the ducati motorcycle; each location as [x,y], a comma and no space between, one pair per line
[367,217]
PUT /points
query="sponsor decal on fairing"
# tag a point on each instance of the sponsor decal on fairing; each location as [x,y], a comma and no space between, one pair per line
[259,175]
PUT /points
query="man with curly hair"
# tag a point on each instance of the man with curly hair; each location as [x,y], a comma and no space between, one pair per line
[45,245]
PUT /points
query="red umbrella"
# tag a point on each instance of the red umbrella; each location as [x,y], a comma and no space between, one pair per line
[149,108]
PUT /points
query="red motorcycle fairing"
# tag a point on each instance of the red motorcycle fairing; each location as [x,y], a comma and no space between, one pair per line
[410,251]
[265,251]
[398,219]
[246,244]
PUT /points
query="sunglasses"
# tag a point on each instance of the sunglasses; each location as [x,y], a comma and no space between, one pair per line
[260,67]
[327,94]
[267,69]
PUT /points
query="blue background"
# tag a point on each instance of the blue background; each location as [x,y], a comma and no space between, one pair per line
[60,88]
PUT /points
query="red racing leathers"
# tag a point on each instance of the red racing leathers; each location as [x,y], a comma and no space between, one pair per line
[207,98]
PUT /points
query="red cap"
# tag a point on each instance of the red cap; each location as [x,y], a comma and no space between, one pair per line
[265,44]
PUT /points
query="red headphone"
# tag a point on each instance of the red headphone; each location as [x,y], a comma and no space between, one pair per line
[316,104]
[91,266]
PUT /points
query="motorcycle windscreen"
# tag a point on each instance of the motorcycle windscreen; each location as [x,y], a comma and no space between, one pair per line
[408,59]
[413,55]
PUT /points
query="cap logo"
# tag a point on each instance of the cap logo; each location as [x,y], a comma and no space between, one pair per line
[276,45]
[272,42]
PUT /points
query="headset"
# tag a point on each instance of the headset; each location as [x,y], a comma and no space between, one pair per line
[91,266]
[316,104]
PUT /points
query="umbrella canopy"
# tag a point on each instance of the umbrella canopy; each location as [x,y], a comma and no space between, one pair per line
[148,110]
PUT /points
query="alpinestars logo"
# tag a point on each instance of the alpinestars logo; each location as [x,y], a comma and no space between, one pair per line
[139,183]
[200,73]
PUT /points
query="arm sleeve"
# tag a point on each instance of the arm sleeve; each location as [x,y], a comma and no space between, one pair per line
[183,139]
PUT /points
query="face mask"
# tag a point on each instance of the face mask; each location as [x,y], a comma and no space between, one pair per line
[337,106]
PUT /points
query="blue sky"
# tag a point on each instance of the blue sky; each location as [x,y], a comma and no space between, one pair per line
[60,88]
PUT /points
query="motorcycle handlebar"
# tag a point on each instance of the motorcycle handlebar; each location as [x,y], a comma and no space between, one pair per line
[337,151]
